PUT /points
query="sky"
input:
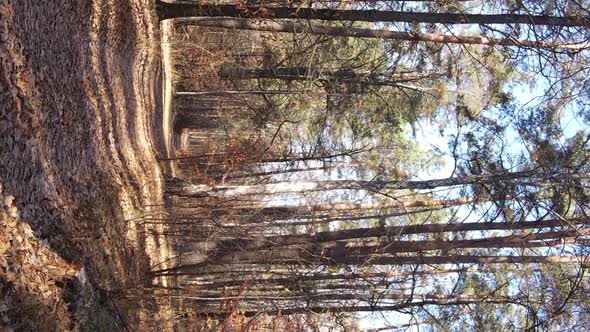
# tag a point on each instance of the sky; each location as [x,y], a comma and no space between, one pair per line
[427,131]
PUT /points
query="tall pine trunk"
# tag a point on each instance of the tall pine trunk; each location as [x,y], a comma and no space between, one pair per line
[325,30]
[306,73]
[402,246]
[530,178]
[177,10]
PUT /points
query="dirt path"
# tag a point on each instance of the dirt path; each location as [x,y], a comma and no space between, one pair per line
[80,130]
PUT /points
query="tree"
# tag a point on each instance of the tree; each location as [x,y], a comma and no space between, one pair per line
[178,10]
[341,75]
[326,30]
[523,178]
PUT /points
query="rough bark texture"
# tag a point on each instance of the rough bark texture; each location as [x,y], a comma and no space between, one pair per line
[313,252]
[287,258]
[176,10]
[396,231]
[306,73]
[515,178]
[365,308]
[197,119]
[227,93]
[324,30]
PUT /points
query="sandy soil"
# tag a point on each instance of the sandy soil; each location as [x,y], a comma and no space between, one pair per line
[80,131]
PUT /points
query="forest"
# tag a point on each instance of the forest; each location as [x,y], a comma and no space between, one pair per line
[295,165]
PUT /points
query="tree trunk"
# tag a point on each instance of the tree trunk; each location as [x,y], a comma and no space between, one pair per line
[517,178]
[175,186]
[343,258]
[268,174]
[338,277]
[363,308]
[403,246]
[340,75]
[177,10]
[324,30]
[354,207]
[239,93]
[231,252]
[333,297]
[204,119]
[327,158]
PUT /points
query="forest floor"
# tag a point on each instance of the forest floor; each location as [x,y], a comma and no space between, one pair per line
[80,132]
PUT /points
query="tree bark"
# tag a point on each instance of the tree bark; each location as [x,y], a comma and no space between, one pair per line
[516,178]
[177,10]
[360,207]
[306,73]
[324,30]
[204,119]
[363,308]
[364,276]
[239,93]
[287,258]
[254,175]
[312,252]
[402,246]
[338,297]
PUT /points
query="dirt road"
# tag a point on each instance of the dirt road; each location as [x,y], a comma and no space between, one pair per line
[80,131]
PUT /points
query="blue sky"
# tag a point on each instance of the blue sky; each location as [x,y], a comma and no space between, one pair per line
[427,132]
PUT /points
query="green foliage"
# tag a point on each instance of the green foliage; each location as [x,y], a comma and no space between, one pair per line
[480,74]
